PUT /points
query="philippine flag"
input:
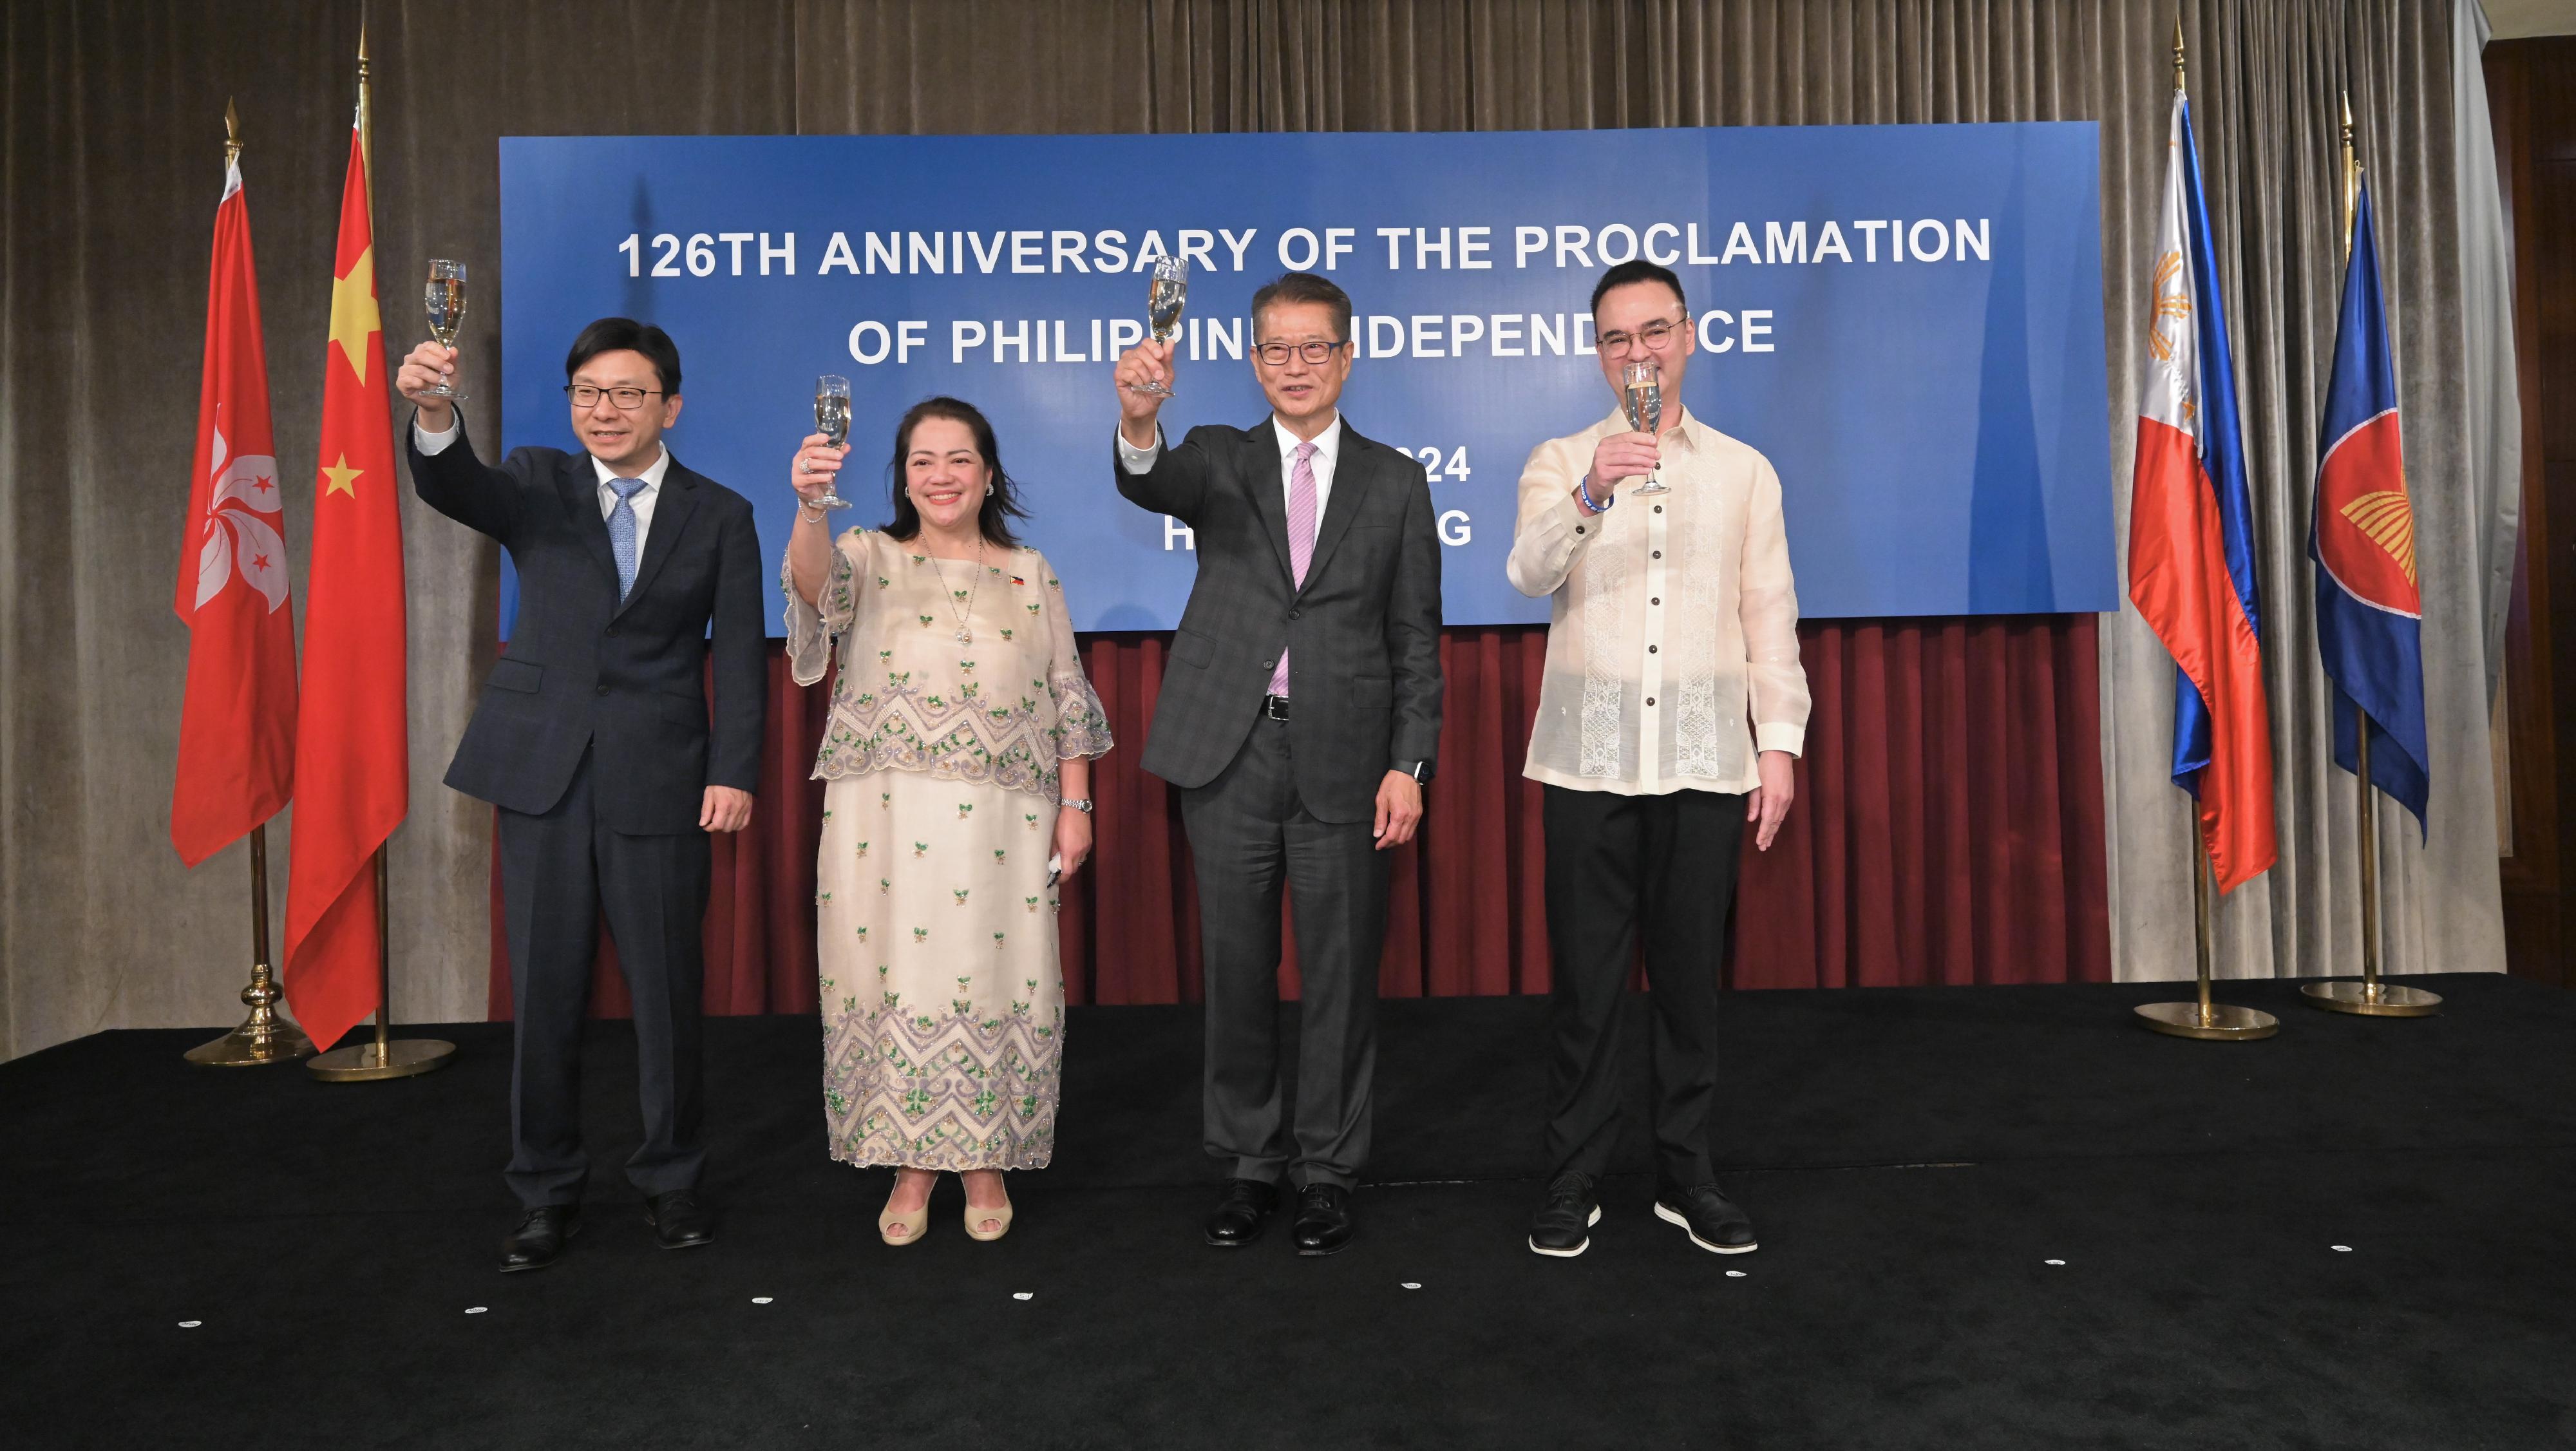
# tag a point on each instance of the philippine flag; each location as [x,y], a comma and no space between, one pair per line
[2191,539]
[2370,614]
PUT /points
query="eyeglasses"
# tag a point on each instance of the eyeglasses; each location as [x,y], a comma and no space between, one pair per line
[1653,335]
[585,395]
[1276,354]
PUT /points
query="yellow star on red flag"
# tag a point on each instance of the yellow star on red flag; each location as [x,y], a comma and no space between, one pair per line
[355,320]
[343,478]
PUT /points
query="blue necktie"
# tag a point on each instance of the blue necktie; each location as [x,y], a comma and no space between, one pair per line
[621,532]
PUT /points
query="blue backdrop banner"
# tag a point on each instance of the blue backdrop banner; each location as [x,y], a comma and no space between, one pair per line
[1906,319]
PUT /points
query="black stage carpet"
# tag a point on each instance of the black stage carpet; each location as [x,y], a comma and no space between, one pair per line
[1991,1217]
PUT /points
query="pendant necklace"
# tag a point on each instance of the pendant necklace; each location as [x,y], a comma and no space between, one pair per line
[964,635]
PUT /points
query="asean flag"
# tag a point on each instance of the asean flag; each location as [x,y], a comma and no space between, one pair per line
[352,749]
[2370,613]
[2191,537]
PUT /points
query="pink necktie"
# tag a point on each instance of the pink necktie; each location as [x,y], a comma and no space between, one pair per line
[1301,539]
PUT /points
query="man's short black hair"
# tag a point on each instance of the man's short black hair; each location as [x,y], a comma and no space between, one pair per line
[1304,287]
[1636,269]
[626,335]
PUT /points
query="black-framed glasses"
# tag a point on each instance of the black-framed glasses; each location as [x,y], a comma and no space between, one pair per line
[1654,335]
[587,395]
[1276,354]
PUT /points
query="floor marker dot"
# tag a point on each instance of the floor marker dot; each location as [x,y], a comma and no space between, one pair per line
[760,1299]
[1021,1295]
[2061,1264]
[475,1309]
[190,1324]
[1735,1274]
[2341,1249]
[1412,1284]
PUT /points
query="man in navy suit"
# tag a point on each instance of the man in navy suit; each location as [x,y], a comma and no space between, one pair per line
[593,738]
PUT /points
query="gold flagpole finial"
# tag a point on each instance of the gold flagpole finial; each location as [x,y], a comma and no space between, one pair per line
[2178,52]
[2351,177]
[232,133]
[366,121]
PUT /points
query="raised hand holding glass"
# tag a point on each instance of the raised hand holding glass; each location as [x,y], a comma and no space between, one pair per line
[832,420]
[1641,393]
[445,300]
[1164,305]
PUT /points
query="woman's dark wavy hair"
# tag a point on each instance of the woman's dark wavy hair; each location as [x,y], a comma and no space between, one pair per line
[1001,500]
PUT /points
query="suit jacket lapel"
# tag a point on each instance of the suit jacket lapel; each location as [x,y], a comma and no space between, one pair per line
[679,500]
[1270,495]
[1350,480]
[579,483]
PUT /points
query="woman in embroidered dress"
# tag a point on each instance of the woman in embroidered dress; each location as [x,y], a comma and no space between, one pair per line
[958,761]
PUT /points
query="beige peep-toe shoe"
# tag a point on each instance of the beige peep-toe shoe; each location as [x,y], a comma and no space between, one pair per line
[975,1220]
[912,1224]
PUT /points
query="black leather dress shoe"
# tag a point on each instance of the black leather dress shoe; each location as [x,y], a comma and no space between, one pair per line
[1240,1212]
[679,1221]
[540,1237]
[1715,1223]
[1562,1228]
[1323,1219]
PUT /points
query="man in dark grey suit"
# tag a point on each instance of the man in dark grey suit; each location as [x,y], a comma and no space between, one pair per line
[1300,716]
[593,738]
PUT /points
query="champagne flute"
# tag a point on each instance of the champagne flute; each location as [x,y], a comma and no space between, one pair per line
[832,420]
[1163,309]
[445,298]
[1642,394]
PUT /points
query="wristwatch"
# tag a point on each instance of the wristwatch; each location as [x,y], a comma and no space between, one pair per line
[1078,803]
[1420,771]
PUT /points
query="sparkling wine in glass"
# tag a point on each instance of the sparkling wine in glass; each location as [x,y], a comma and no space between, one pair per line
[445,300]
[1642,393]
[1163,308]
[832,420]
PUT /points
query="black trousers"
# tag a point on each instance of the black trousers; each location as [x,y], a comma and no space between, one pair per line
[1249,834]
[1615,865]
[560,871]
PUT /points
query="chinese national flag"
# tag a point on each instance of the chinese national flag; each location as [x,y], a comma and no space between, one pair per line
[236,763]
[352,756]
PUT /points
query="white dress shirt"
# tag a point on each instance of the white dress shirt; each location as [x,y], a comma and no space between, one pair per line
[1672,641]
[431,443]
[1328,448]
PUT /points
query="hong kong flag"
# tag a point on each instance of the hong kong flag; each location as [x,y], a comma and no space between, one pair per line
[2370,614]
[352,752]
[2191,535]
[236,763]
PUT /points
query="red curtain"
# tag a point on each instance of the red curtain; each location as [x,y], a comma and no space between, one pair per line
[1948,829]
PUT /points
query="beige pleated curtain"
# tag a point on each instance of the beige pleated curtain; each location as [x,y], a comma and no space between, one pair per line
[113,163]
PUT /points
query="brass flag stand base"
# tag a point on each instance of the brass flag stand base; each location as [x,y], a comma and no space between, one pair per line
[2199,1020]
[2370,997]
[2202,1018]
[366,1062]
[384,1057]
[263,1037]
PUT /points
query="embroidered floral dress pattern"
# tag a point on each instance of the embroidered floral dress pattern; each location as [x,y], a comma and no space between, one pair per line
[942,997]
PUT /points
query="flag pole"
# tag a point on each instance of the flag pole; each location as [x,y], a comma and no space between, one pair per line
[2202,1018]
[2369,997]
[263,1037]
[386,1056]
